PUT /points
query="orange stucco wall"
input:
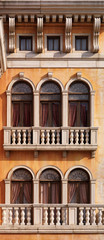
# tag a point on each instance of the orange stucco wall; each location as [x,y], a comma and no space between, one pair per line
[95,165]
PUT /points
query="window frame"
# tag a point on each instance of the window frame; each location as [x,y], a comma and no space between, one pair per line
[81,38]
[53,38]
[49,103]
[82,35]
[53,35]
[25,38]
[25,35]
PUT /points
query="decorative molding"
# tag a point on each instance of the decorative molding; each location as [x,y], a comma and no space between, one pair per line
[96,31]
[39,34]
[50,75]
[11,34]
[68,29]
[79,75]
[3,63]
[21,75]
[49,167]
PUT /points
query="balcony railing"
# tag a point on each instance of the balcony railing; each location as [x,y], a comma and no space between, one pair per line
[52,216]
[70,138]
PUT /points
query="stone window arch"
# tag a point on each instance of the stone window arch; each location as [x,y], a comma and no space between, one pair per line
[22,104]
[50,186]
[21,186]
[50,104]
[79,104]
[78,186]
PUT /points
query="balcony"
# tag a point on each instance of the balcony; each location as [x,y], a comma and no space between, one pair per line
[52,218]
[59,139]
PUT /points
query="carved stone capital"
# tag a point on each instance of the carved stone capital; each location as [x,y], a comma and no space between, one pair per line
[96,31]
[68,29]
[39,34]
[11,34]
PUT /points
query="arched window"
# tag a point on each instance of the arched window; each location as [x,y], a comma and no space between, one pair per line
[78,186]
[21,186]
[50,186]
[50,101]
[22,105]
[79,107]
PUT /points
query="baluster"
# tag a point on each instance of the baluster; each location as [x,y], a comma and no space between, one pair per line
[45,216]
[29,136]
[13,136]
[53,137]
[93,218]
[58,136]
[87,137]
[82,137]
[51,215]
[64,216]
[10,215]
[71,136]
[76,136]
[18,136]
[100,216]
[22,215]
[42,136]
[47,136]
[28,216]
[87,216]
[24,136]
[58,216]
[4,216]
[16,216]
[81,215]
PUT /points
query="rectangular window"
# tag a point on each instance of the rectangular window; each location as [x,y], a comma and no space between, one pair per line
[53,43]
[25,43]
[81,43]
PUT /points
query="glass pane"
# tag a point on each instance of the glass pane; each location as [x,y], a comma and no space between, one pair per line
[73,114]
[28,44]
[50,87]
[21,87]
[79,87]
[78,97]
[22,42]
[78,175]
[78,44]
[50,44]
[50,174]
[83,114]
[21,174]
[56,44]
[84,44]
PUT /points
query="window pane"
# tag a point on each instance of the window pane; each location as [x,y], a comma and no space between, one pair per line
[78,97]
[79,87]
[50,87]
[50,44]
[56,44]
[84,44]
[83,114]
[28,45]
[78,43]
[22,42]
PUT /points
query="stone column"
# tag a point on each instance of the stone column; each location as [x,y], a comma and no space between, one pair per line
[92,191]
[7,191]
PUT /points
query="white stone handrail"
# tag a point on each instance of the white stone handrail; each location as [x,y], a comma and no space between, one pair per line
[56,138]
[52,214]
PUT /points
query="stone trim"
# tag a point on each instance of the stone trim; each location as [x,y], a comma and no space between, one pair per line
[96,32]
[11,34]
[47,167]
[45,42]
[83,35]
[17,42]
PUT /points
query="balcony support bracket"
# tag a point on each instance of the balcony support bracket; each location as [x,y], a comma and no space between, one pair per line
[7,153]
[36,154]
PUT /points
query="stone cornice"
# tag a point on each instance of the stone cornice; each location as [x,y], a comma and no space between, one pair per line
[49,6]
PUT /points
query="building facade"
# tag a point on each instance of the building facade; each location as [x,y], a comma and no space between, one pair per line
[51,120]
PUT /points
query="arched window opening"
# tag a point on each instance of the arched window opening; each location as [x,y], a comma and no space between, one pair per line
[22,105]
[78,186]
[21,186]
[50,186]
[79,108]
[50,105]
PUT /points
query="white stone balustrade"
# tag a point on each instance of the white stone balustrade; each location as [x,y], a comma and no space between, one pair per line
[50,138]
[84,215]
